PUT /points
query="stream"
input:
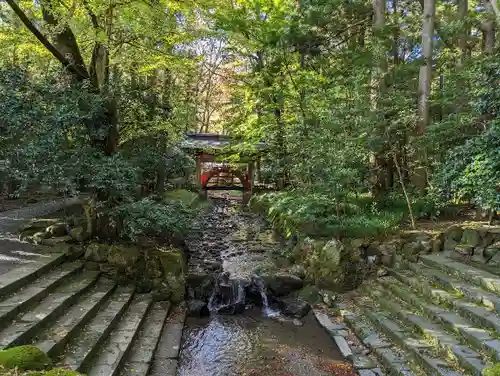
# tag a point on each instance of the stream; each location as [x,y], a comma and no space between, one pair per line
[242,332]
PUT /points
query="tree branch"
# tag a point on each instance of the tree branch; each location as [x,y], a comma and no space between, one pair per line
[49,46]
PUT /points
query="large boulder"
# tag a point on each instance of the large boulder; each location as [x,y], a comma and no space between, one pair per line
[39,237]
[57,229]
[200,285]
[78,234]
[197,308]
[96,252]
[332,252]
[24,358]
[282,284]
[453,233]
[173,264]
[295,307]
[471,237]
[56,240]
[123,256]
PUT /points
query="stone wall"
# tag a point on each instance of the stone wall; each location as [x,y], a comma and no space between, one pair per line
[340,265]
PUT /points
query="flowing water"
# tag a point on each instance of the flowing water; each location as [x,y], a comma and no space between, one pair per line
[244,335]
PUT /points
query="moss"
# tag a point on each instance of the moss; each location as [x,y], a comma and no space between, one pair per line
[492,371]
[55,372]
[62,372]
[187,197]
[310,294]
[24,358]
[172,263]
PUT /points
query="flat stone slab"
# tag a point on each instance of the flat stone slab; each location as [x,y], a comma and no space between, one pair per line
[112,354]
[465,355]
[22,275]
[418,348]
[163,367]
[78,351]
[469,273]
[25,326]
[471,292]
[53,339]
[170,341]
[36,291]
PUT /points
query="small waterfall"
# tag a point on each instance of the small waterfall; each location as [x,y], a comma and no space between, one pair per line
[230,295]
[266,309]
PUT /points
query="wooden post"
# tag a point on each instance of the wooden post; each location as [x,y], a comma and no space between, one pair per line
[250,176]
[258,176]
[198,173]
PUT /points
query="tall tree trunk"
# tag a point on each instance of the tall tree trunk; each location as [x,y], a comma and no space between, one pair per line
[425,78]
[463,9]
[379,160]
[488,28]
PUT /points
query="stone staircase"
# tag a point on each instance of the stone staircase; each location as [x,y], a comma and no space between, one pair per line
[85,322]
[438,316]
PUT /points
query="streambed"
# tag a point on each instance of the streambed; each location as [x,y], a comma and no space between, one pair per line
[242,334]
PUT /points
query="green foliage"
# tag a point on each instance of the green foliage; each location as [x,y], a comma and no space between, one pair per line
[492,371]
[472,171]
[188,198]
[24,358]
[148,217]
[317,214]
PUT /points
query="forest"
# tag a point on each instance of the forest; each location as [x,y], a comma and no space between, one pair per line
[374,113]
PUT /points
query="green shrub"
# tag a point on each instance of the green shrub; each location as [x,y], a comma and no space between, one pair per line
[188,198]
[472,171]
[24,358]
[492,371]
[319,215]
[148,217]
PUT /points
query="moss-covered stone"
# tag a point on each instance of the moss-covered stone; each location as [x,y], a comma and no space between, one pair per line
[471,237]
[310,294]
[96,252]
[173,265]
[24,358]
[123,256]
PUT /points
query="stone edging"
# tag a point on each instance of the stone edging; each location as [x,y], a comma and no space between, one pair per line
[357,356]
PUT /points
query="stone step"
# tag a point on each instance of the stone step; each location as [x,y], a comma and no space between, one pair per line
[489,281]
[22,275]
[141,355]
[80,350]
[471,292]
[475,336]
[113,353]
[446,342]
[479,315]
[421,351]
[54,338]
[167,352]
[392,358]
[26,325]
[35,291]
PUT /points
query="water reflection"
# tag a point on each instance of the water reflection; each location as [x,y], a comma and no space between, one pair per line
[251,344]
